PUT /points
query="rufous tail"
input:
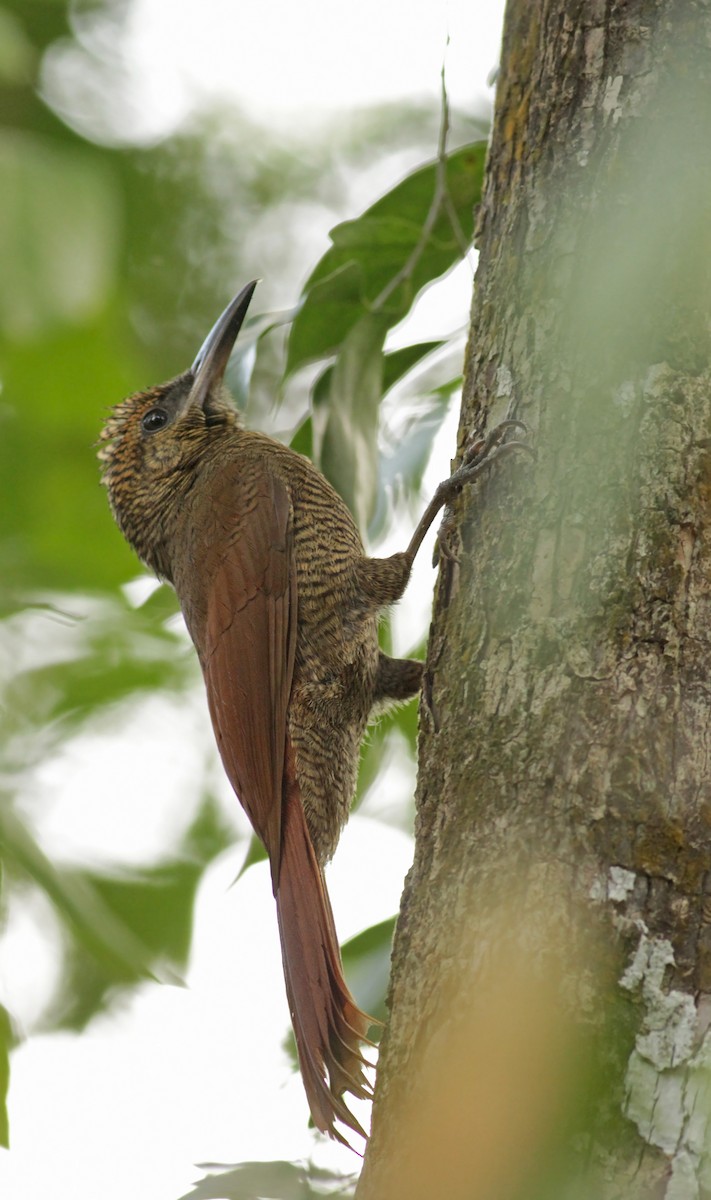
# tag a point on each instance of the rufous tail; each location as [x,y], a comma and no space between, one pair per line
[328,1025]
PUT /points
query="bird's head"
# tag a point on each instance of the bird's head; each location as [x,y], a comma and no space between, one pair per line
[153,440]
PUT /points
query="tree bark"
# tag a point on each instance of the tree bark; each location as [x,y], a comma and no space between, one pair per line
[558,911]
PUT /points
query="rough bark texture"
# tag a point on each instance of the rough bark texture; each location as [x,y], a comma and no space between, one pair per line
[564,778]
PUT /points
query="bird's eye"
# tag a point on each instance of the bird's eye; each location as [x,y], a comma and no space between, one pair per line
[154,420]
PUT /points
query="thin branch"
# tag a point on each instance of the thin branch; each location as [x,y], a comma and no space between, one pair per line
[440,200]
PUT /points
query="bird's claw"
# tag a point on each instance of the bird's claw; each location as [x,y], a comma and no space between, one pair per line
[480,454]
[446,546]
[483,451]
[480,448]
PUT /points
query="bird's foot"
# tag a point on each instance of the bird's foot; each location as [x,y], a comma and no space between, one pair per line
[482,452]
[449,540]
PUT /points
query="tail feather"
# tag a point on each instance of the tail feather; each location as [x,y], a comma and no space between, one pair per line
[328,1025]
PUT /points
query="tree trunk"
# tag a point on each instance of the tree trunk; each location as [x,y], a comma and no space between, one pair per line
[551,989]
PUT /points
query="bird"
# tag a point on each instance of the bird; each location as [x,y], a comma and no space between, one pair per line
[282,605]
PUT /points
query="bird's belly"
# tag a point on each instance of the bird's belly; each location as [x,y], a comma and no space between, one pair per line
[328,712]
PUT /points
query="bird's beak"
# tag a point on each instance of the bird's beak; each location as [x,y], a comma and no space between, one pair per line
[213,356]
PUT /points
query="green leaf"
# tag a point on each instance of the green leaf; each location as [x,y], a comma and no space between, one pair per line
[58,234]
[78,902]
[273,1181]
[156,905]
[256,853]
[244,356]
[368,254]
[18,57]
[446,389]
[124,928]
[159,606]
[402,718]
[402,469]
[303,440]
[331,308]
[372,755]
[346,415]
[366,960]
[399,362]
[6,1043]
[109,651]
[59,534]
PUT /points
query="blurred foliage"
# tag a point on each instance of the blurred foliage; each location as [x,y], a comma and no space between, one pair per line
[366,959]
[5,1045]
[272,1181]
[116,259]
[362,287]
[378,263]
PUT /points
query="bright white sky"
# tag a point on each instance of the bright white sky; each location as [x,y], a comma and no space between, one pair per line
[282,61]
[172,1079]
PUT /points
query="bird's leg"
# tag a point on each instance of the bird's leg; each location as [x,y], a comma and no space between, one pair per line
[382,581]
[397,678]
[481,454]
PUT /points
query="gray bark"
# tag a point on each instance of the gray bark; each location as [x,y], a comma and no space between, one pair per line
[558,911]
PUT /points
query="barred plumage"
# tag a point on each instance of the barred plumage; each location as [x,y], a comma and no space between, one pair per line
[268,564]
[282,606]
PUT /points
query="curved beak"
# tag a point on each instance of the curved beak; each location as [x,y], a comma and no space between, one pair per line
[214,354]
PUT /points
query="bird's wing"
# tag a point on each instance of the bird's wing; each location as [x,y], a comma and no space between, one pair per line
[245,631]
[249,642]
